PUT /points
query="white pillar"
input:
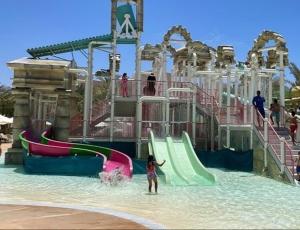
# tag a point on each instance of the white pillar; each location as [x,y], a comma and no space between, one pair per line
[39,115]
[167,115]
[219,137]
[220,91]
[270,93]
[236,89]
[228,109]
[251,93]
[164,70]
[189,66]
[282,155]
[281,80]
[138,92]
[194,117]
[113,84]
[212,126]
[266,141]
[87,95]
[245,99]
[139,127]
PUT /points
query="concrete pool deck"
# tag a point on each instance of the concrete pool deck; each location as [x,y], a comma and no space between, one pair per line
[39,217]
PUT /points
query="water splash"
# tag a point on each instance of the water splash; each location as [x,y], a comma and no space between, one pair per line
[113,178]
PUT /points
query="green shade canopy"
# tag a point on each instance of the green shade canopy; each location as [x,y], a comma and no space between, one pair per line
[73,46]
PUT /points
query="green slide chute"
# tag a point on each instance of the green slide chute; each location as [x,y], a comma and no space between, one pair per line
[182,165]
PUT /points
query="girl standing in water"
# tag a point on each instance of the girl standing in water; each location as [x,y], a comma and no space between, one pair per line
[151,172]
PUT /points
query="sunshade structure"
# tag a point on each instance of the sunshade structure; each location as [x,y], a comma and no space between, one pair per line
[5,120]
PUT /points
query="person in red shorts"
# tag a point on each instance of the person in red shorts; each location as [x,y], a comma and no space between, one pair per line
[293,126]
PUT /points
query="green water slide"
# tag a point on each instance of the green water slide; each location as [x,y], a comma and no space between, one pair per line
[182,165]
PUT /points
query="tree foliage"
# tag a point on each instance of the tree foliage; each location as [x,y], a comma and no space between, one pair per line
[6,101]
[296,72]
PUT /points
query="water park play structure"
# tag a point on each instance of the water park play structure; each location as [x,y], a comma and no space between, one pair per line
[204,101]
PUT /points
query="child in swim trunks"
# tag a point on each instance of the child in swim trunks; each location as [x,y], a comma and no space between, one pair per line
[151,172]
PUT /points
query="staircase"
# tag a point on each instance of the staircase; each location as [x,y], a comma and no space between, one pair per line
[100,112]
[279,142]
[279,145]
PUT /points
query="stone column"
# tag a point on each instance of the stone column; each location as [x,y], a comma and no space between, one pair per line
[62,117]
[21,122]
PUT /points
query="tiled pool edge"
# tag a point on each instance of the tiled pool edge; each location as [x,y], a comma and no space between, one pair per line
[139,220]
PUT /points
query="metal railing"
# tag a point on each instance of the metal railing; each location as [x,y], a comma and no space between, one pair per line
[278,145]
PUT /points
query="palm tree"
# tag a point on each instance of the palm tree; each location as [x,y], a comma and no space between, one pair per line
[6,101]
[296,72]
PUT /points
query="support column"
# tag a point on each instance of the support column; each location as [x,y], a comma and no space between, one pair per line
[194,116]
[189,65]
[87,94]
[139,128]
[266,141]
[113,85]
[245,99]
[281,80]
[220,91]
[228,109]
[22,121]
[212,126]
[167,124]
[282,89]
[138,91]
[270,93]
[282,155]
[62,116]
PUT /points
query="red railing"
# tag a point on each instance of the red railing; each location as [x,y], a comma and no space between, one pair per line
[121,129]
[274,141]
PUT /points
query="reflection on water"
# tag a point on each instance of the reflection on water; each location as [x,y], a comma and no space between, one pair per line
[239,200]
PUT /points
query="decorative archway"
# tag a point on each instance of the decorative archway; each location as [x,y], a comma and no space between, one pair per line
[273,57]
[176,30]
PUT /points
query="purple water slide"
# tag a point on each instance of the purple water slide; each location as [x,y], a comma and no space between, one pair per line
[121,161]
[116,159]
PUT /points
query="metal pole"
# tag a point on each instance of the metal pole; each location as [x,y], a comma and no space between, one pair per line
[87,95]
[113,83]
[282,88]
[138,92]
[228,109]
[270,93]
[281,80]
[282,155]
[194,116]
[167,124]
[139,127]
[266,140]
[220,91]
[212,126]
[219,137]
[245,99]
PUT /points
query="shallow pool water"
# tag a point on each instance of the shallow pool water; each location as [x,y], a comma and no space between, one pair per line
[239,200]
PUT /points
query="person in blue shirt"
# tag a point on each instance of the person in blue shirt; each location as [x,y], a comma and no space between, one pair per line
[258,103]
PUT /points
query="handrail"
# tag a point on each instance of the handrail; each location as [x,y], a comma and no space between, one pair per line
[279,140]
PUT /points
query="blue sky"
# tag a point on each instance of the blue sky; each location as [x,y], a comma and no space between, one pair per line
[34,23]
